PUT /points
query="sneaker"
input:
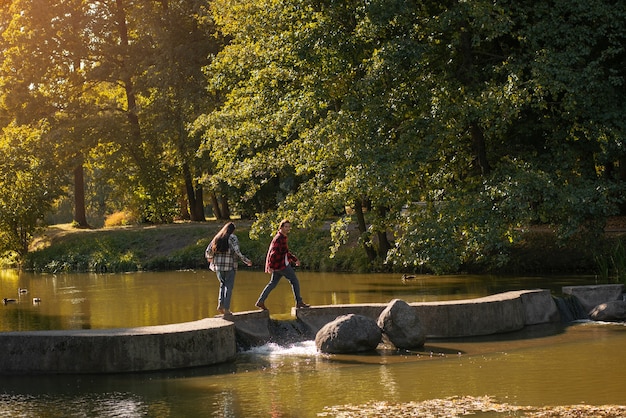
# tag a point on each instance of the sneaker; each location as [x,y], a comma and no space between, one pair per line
[261,306]
[302,305]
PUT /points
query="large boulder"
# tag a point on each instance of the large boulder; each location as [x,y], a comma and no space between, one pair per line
[609,311]
[348,334]
[401,325]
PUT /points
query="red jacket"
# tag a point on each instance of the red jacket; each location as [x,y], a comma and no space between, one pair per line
[277,252]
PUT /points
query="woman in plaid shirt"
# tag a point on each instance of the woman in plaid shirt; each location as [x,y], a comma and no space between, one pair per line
[278,263]
[220,254]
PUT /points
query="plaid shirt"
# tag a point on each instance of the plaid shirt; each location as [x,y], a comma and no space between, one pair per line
[278,254]
[225,261]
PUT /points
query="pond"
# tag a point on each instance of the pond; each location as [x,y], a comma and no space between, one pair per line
[552,366]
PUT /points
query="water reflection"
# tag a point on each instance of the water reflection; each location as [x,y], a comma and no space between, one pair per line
[537,369]
[538,366]
[95,301]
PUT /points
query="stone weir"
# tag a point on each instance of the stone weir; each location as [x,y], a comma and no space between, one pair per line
[215,340]
[503,312]
[175,346]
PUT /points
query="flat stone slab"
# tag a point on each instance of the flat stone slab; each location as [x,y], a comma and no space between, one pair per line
[190,344]
[503,312]
[539,307]
[251,327]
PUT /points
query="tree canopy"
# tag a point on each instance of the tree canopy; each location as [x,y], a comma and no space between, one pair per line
[435,131]
[451,125]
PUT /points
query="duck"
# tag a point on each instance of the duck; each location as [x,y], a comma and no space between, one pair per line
[36,300]
[8,300]
[22,290]
[406,277]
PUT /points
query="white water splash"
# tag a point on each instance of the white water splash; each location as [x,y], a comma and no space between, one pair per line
[304,348]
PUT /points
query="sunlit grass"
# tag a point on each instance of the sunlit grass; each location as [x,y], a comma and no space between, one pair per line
[173,247]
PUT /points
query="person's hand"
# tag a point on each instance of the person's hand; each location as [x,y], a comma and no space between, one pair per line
[249,263]
[298,263]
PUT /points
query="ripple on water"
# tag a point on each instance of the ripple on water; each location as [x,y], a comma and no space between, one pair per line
[110,405]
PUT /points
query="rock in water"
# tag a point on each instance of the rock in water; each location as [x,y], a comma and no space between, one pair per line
[348,334]
[401,326]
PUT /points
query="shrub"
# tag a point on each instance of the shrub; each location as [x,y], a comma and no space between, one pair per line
[120,219]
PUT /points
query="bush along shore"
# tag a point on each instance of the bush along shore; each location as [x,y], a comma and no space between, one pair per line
[179,246]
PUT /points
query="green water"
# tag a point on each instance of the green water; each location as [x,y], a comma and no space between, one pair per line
[539,366]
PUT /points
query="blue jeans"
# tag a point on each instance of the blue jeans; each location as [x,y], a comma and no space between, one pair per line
[290,275]
[227,282]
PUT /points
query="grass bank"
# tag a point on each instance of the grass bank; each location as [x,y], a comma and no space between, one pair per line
[179,246]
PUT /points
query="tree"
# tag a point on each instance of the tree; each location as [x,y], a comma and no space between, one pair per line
[535,84]
[120,81]
[451,123]
[181,42]
[44,78]
[323,93]
[29,183]
[163,47]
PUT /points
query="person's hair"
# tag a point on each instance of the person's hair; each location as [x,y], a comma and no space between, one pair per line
[283,222]
[220,241]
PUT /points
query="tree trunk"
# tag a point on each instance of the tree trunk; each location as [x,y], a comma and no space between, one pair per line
[80,215]
[199,205]
[367,242]
[184,208]
[383,242]
[225,208]
[194,196]
[616,171]
[129,89]
[480,149]
[215,204]
[466,76]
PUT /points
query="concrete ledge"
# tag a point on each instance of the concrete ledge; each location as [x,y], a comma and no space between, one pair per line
[212,341]
[539,307]
[191,344]
[251,327]
[592,296]
[494,314]
[504,312]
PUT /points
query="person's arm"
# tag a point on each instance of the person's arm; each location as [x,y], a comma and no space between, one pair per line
[208,253]
[234,246]
[290,256]
[293,259]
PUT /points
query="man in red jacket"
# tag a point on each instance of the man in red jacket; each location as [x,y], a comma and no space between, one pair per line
[279,263]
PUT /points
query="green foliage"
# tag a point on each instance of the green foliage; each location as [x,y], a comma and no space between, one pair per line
[118,85]
[28,185]
[85,253]
[494,116]
[448,127]
[181,246]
